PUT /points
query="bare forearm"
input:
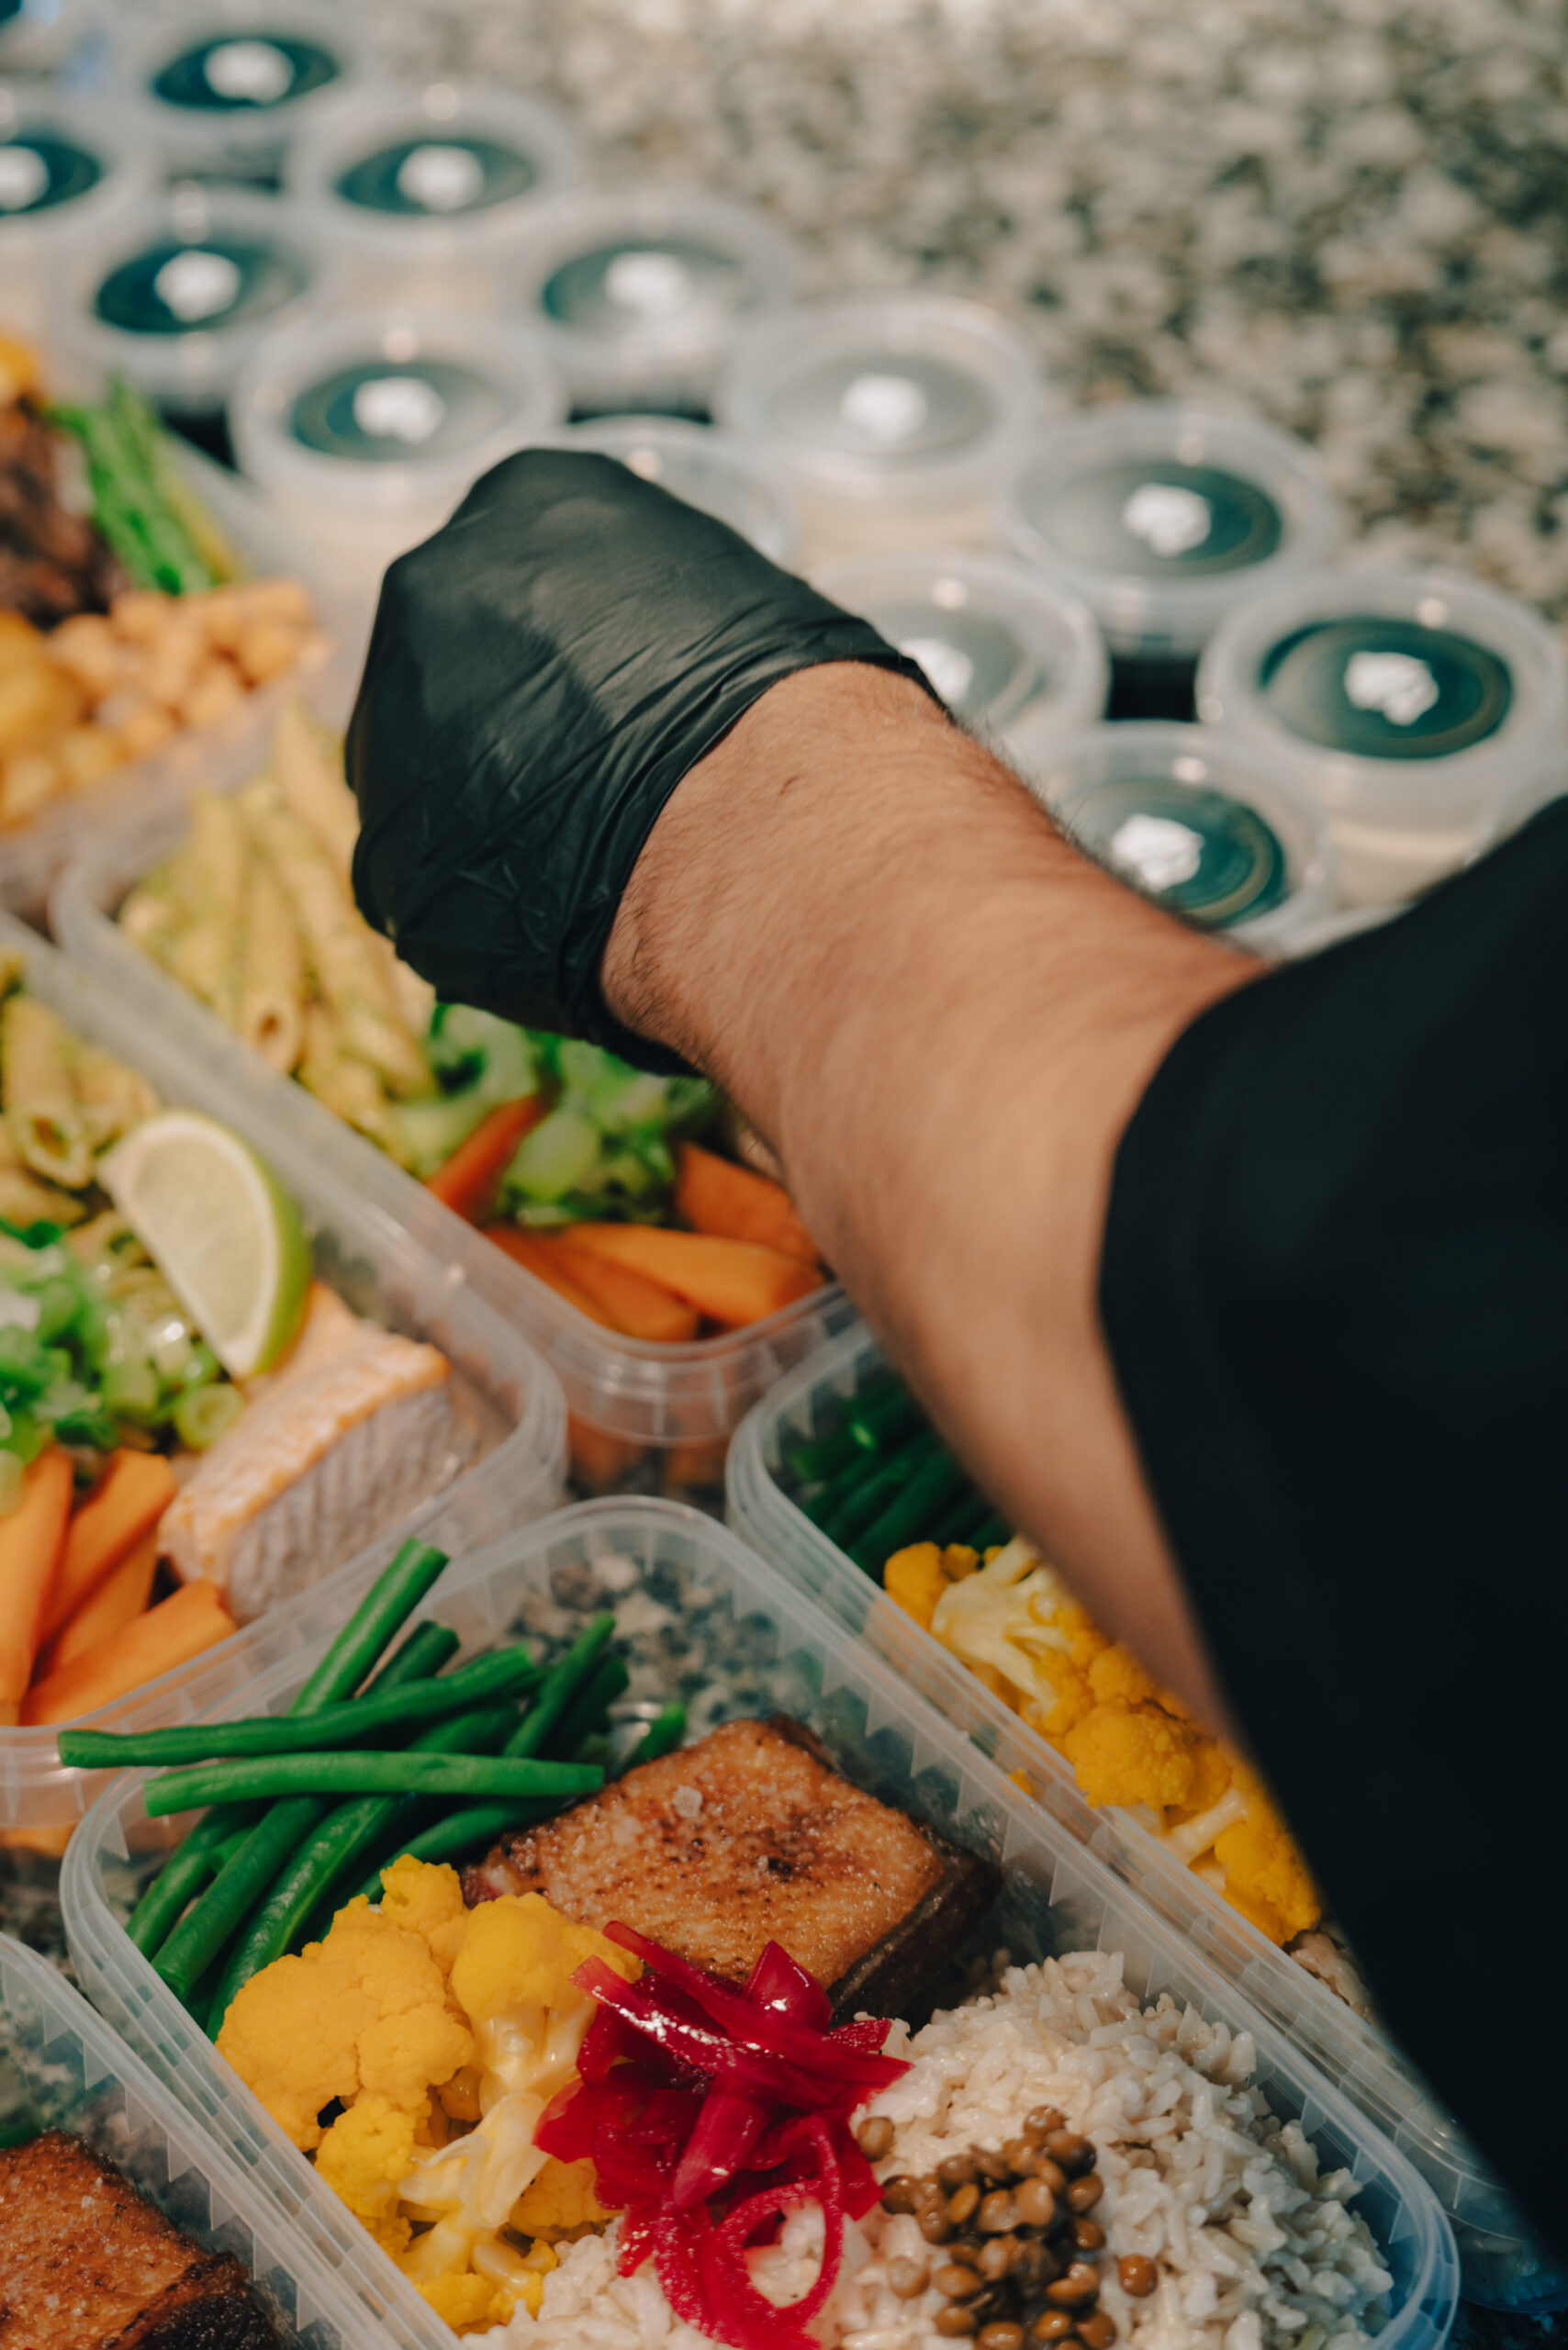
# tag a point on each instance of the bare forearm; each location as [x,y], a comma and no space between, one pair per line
[941,1017]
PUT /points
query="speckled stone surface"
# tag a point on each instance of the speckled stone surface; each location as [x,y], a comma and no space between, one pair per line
[1346,213]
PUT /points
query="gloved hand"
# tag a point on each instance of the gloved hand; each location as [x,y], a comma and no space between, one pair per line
[541,674]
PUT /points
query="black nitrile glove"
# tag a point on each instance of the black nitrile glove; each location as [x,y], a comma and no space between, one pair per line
[541,674]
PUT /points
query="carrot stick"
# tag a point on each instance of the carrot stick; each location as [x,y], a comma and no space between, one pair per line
[117,1600]
[641,1307]
[733,1281]
[31,1540]
[469,1182]
[731,1202]
[170,1634]
[599,1460]
[685,1465]
[525,1248]
[133,1495]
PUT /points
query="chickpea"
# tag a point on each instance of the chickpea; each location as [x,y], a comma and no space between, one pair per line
[874,2137]
[955,2171]
[997,2215]
[1052,2325]
[934,2225]
[1136,2276]
[1005,2333]
[956,2318]
[1034,2203]
[958,2284]
[1088,2236]
[1084,2193]
[963,2203]
[1096,2330]
[898,2194]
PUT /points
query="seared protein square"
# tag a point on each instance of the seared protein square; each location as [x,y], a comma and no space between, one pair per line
[750,1837]
[88,2264]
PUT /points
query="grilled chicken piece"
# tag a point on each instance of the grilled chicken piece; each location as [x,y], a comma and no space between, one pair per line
[88,2264]
[749,1837]
[337,1447]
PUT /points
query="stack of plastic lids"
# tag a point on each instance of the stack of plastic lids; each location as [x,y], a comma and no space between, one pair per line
[367,430]
[896,417]
[1413,707]
[1166,516]
[65,175]
[1014,656]
[640,292]
[175,292]
[224,86]
[1198,822]
[425,193]
[706,467]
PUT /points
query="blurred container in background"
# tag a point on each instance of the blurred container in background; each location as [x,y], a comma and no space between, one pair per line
[424,193]
[47,35]
[1165,516]
[894,416]
[223,85]
[706,467]
[365,431]
[640,292]
[1411,705]
[66,174]
[1014,656]
[175,293]
[1200,823]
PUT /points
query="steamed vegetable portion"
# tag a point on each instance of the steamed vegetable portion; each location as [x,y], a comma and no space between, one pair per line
[124,618]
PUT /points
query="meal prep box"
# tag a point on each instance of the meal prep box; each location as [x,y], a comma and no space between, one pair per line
[1198,822]
[1011,654]
[639,292]
[1415,707]
[63,2069]
[896,417]
[701,464]
[224,86]
[423,192]
[1501,2268]
[641,1414]
[703,1620]
[66,171]
[507,1394]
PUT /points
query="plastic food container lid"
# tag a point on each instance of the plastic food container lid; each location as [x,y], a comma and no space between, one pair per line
[706,467]
[641,290]
[63,167]
[1409,704]
[236,77]
[1199,823]
[423,171]
[1165,516]
[175,293]
[907,397]
[1009,652]
[388,408]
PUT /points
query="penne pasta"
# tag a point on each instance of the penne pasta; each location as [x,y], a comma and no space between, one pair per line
[310,785]
[272,981]
[51,1137]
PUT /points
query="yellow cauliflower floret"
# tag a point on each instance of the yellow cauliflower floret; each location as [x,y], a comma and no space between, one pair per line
[1211,1773]
[425,1897]
[559,2200]
[959,1559]
[914,1580]
[1013,1623]
[1116,1676]
[1264,1874]
[1131,1755]
[468,2302]
[1068,1701]
[519,1952]
[364,2009]
[365,2157]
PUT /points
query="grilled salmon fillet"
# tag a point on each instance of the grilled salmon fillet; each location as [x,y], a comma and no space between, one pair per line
[332,1451]
[749,1837]
[88,2264]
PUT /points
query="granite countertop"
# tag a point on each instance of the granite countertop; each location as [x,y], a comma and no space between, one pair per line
[1346,214]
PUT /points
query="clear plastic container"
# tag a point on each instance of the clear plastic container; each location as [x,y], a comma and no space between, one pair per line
[33,855]
[702,1618]
[363,432]
[708,467]
[48,36]
[66,171]
[896,416]
[640,291]
[424,193]
[641,1415]
[1166,516]
[1501,2268]
[1011,654]
[508,1396]
[224,86]
[1409,704]
[62,2067]
[1199,822]
[176,291]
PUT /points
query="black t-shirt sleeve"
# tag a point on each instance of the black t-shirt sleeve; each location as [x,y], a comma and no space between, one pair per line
[1335,1288]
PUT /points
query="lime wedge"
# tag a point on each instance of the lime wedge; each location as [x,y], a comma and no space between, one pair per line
[221,1230]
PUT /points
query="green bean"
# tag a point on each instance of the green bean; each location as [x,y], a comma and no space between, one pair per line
[879,1490]
[349,1830]
[589,1711]
[881,1423]
[391,1599]
[662,1735]
[460,1832]
[249,1868]
[371,1772]
[352,1724]
[968,1514]
[929,1492]
[995,1532]
[823,1457]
